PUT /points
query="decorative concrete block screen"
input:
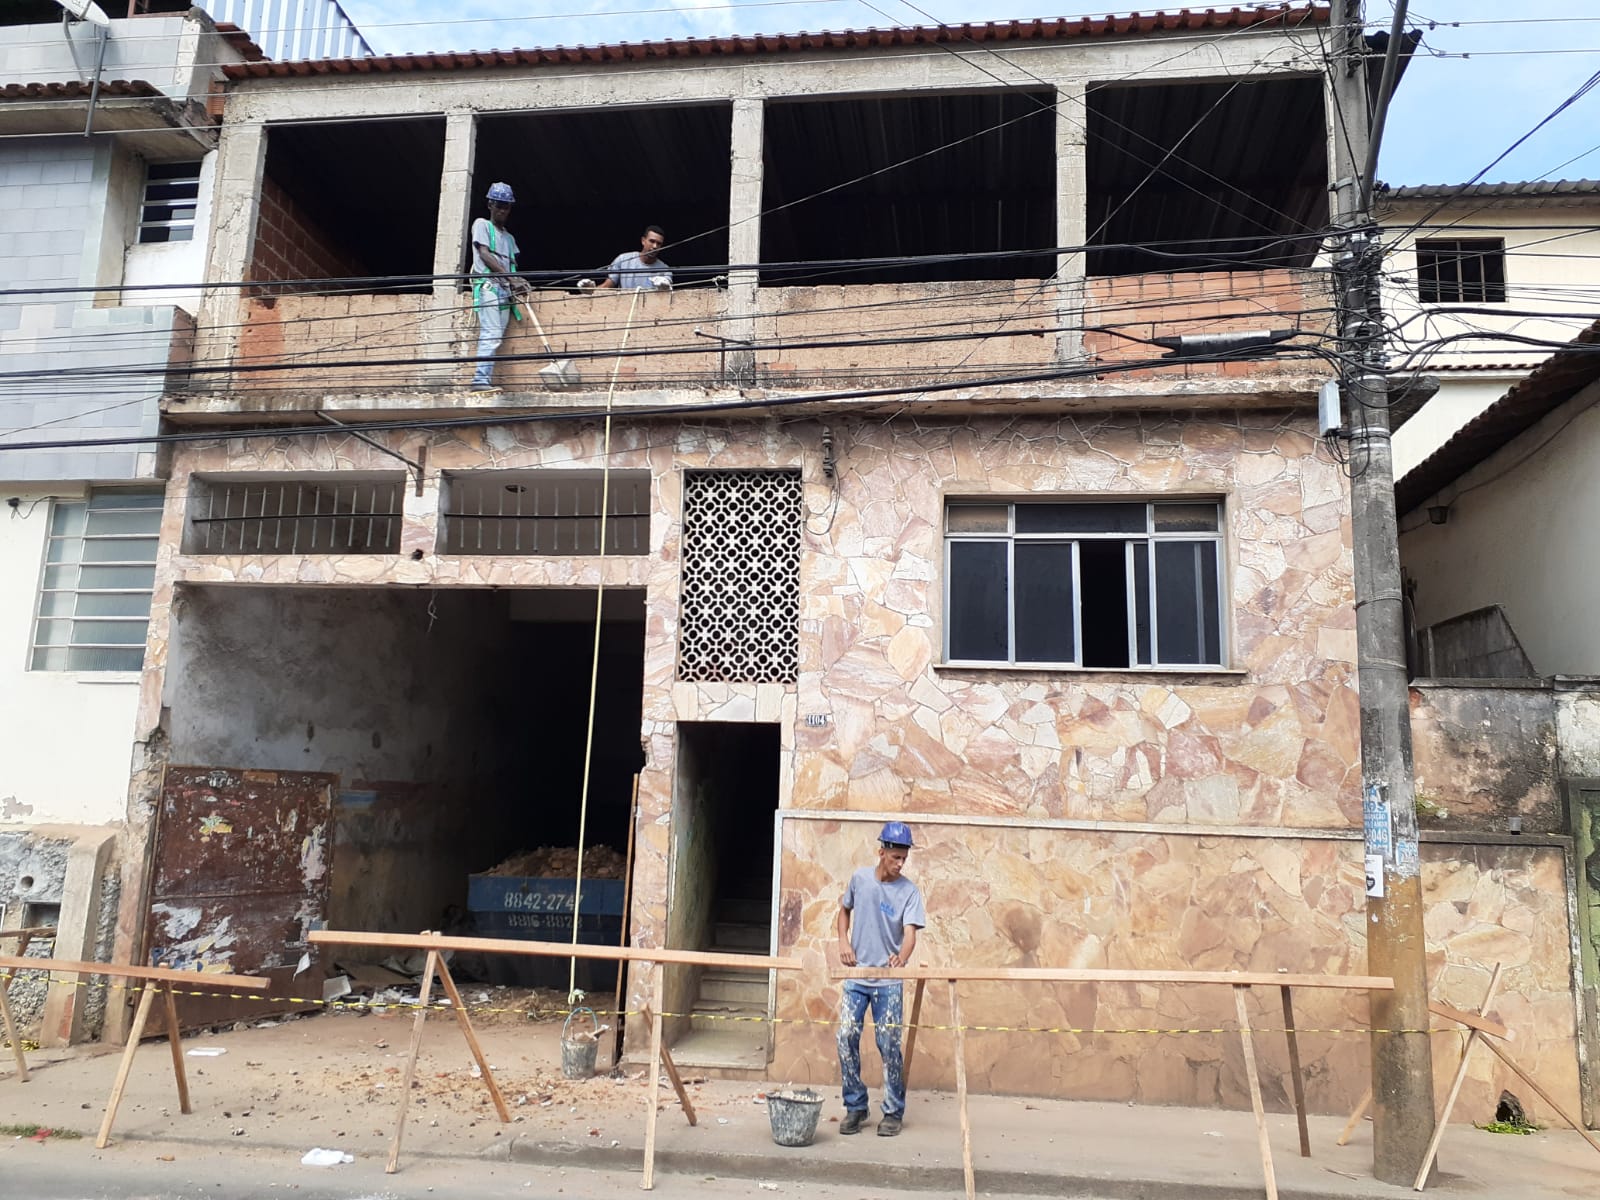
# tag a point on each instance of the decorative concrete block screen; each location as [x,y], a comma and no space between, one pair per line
[740,603]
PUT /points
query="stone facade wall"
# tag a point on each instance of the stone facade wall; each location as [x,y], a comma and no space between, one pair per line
[1128,818]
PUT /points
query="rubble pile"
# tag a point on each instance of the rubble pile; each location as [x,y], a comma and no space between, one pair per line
[561,862]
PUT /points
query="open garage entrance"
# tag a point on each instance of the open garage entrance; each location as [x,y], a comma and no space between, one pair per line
[448,728]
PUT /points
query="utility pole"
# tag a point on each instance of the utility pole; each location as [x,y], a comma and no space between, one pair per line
[1402,1059]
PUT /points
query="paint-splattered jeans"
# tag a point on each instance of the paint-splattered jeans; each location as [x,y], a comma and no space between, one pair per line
[887,1001]
[493,315]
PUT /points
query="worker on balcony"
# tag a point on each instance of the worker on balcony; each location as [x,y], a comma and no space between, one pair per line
[495,283]
[641,269]
[880,914]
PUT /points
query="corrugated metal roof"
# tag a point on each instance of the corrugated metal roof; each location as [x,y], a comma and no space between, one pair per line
[1533,189]
[1063,29]
[1548,386]
[73,90]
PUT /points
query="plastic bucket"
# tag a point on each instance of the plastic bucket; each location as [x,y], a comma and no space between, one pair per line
[579,1050]
[794,1116]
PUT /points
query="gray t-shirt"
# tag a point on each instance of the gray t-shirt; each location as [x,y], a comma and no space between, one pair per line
[631,271]
[879,914]
[502,243]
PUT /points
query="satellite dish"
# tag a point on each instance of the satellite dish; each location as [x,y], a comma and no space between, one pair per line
[87,10]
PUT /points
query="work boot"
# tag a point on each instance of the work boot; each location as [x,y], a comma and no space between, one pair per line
[852,1122]
[889,1126]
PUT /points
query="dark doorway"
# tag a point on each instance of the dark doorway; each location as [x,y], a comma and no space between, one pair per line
[724,801]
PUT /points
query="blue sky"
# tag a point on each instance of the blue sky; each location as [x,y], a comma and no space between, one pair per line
[1490,78]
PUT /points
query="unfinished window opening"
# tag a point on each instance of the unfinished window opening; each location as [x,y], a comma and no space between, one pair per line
[94,598]
[1108,585]
[739,606]
[1461,270]
[970,174]
[1206,176]
[351,200]
[454,722]
[589,182]
[544,512]
[306,515]
[171,196]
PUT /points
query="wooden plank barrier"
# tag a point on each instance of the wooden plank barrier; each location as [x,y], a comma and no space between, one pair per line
[162,981]
[660,1058]
[1483,1029]
[1240,981]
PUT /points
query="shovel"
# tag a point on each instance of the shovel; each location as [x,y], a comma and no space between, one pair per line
[558,375]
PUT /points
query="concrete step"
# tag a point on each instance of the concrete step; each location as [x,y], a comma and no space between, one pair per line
[745,1020]
[740,937]
[734,987]
[753,910]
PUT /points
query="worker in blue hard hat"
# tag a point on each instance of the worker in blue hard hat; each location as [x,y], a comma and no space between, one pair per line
[495,283]
[879,916]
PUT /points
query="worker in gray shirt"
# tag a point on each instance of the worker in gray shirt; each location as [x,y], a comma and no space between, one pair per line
[642,270]
[879,916]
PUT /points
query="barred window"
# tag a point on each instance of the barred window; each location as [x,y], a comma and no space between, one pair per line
[739,619]
[94,601]
[346,514]
[1461,270]
[544,512]
[171,196]
[1084,584]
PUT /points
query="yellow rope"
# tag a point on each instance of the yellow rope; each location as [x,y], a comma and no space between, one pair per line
[594,665]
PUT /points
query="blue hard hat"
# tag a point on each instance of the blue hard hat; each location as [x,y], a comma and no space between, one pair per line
[896,833]
[502,192]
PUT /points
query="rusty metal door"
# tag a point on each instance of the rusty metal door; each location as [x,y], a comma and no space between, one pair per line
[240,877]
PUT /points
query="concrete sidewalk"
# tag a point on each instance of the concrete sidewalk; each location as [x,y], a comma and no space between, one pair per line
[332,1080]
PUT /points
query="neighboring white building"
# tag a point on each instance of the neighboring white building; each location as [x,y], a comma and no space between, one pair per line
[106,151]
[1503,515]
[1510,260]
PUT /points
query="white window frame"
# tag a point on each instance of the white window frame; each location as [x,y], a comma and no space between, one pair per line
[1011,536]
[172,225]
[38,648]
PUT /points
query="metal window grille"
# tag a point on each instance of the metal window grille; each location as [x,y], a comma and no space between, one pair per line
[171,195]
[1107,584]
[94,599]
[545,513]
[739,618]
[296,516]
[1461,270]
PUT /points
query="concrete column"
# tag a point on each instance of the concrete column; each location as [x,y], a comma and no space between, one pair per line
[241,162]
[77,936]
[744,232]
[1072,214]
[450,241]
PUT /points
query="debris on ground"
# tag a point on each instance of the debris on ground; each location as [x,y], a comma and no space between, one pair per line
[318,1157]
[561,862]
[39,1133]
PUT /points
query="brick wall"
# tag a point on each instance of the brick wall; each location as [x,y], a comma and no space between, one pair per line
[290,245]
[1171,303]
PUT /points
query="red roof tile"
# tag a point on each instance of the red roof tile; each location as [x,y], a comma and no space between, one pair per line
[73,90]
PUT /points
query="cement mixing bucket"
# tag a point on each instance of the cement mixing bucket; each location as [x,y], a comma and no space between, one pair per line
[578,1050]
[794,1116]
